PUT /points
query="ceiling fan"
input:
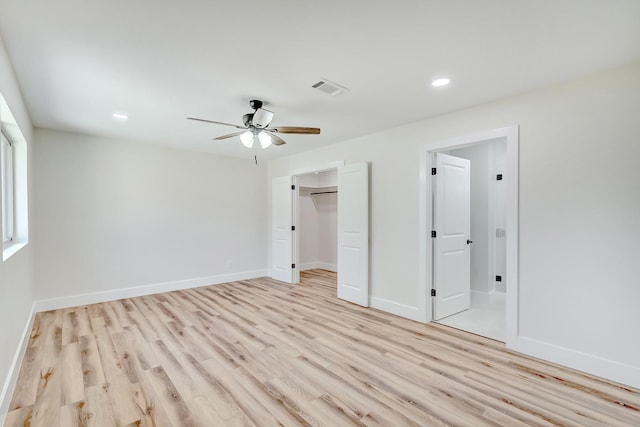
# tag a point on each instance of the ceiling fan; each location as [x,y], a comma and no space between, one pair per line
[256,126]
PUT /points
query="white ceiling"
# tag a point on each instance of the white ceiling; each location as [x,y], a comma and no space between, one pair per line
[160,61]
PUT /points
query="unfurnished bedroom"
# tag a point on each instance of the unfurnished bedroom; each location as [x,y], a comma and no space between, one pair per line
[418,213]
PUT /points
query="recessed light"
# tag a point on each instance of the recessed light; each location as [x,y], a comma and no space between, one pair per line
[120,116]
[440,82]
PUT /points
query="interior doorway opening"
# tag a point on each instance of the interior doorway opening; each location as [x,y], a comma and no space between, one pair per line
[316,222]
[484,252]
[352,229]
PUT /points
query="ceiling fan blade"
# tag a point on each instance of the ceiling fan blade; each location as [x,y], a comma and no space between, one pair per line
[276,140]
[296,129]
[231,135]
[216,123]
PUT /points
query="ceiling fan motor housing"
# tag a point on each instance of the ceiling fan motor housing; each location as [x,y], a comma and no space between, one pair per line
[255,104]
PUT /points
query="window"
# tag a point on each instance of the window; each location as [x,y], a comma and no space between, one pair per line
[8,190]
[14,184]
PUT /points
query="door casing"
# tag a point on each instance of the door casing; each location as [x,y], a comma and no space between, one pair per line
[425,250]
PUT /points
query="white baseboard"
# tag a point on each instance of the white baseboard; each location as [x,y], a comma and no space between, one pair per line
[116,294]
[594,365]
[480,297]
[486,297]
[402,310]
[318,264]
[279,275]
[14,369]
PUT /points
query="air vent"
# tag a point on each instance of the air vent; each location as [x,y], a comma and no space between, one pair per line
[331,88]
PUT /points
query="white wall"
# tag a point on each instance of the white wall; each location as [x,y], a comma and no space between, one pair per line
[16,273]
[307,227]
[116,214]
[328,233]
[578,203]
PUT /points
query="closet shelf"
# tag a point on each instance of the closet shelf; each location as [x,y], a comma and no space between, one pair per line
[323,197]
[315,191]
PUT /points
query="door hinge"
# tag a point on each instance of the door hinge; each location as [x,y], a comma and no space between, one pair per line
[433,171]
[433,234]
[293,187]
[499,177]
[433,292]
[293,266]
[498,278]
[293,228]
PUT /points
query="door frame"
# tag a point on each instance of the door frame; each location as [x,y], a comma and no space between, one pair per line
[295,215]
[425,274]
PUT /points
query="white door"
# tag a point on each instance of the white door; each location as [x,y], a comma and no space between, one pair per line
[452,224]
[353,233]
[281,233]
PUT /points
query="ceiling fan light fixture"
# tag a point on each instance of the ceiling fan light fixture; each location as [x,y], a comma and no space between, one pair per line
[257,126]
[247,139]
[265,139]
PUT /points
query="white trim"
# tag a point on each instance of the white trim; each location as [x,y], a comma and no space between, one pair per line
[14,369]
[320,265]
[116,294]
[11,248]
[8,189]
[512,228]
[318,168]
[295,238]
[425,211]
[594,365]
[425,258]
[392,307]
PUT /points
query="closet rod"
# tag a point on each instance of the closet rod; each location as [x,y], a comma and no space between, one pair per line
[323,192]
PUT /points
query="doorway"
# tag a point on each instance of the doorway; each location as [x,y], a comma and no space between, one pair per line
[316,222]
[352,259]
[471,190]
[505,239]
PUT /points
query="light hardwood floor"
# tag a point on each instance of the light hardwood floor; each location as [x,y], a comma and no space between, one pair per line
[261,352]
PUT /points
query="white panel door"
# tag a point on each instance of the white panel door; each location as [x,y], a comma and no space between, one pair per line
[281,234]
[353,233]
[452,223]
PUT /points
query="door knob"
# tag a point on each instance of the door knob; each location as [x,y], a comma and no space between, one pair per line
[469,241]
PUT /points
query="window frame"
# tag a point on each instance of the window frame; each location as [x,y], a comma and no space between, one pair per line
[7,167]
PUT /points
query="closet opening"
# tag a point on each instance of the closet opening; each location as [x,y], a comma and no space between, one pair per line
[316,223]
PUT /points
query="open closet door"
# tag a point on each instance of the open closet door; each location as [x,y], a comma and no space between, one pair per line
[281,234]
[353,233]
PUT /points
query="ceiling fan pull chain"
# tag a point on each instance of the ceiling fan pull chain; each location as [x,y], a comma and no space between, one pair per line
[255,155]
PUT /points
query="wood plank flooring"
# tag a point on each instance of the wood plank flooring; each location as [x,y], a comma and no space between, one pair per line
[264,353]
